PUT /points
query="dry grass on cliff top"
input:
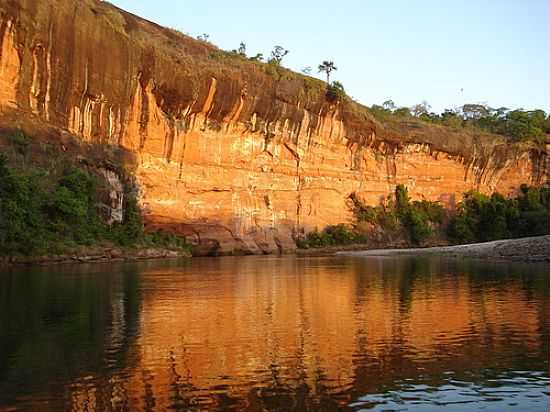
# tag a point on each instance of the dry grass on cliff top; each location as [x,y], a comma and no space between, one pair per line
[200,59]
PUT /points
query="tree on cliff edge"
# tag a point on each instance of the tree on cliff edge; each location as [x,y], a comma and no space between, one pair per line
[327,67]
[277,55]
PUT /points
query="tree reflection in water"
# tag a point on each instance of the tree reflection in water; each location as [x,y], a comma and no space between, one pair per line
[286,334]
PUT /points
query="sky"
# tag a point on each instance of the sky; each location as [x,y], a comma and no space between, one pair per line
[447,53]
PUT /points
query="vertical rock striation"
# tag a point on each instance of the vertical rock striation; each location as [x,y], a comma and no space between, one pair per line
[236,155]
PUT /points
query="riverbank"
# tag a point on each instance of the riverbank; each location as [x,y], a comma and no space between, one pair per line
[531,249]
[354,247]
[96,255]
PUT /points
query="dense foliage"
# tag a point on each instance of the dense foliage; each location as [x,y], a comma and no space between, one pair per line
[478,218]
[38,216]
[483,218]
[335,91]
[417,218]
[395,217]
[330,236]
[519,125]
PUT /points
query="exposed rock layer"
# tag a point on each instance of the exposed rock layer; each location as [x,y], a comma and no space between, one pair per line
[231,153]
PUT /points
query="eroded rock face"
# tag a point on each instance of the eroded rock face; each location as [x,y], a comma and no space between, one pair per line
[113,197]
[235,157]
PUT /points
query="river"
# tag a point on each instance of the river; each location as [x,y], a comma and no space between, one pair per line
[276,334]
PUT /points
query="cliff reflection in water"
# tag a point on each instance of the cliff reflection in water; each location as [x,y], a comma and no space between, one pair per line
[267,333]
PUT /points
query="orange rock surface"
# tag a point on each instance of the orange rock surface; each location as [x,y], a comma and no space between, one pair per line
[234,155]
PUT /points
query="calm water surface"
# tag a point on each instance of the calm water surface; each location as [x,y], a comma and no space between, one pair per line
[277,334]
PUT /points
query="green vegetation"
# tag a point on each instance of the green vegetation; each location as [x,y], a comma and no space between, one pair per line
[479,218]
[396,217]
[330,236]
[416,219]
[483,218]
[41,213]
[277,55]
[20,142]
[335,91]
[328,67]
[205,38]
[519,125]
[241,51]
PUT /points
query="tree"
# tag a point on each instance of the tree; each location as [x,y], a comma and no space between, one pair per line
[522,125]
[402,112]
[538,118]
[501,112]
[327,67]
[475,111]
[278,54]
[451,118]
[307,70]
[420,109]
[389,105]
[204,37]
[241,51]
[257,58]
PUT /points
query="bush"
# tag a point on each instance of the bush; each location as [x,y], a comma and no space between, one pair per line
[131,230]
[434,211]
[67,206]
[330,236]
[418,224]
[416,218]
[273,69]
[384,216]
[166,240]
[21,201]
[20,142]
[335,91]
[483,218]
[38,216]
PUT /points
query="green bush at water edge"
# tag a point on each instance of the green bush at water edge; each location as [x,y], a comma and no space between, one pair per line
[38,216]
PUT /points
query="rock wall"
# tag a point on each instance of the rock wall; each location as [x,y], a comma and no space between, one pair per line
[237,155]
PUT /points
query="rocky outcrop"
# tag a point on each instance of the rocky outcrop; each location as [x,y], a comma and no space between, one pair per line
[236,155]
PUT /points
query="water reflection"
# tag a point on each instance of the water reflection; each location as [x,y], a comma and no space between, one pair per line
[281,334]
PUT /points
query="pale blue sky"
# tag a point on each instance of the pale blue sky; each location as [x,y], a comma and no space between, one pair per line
[498,51]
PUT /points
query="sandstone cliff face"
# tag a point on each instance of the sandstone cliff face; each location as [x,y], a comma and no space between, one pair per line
[234,156]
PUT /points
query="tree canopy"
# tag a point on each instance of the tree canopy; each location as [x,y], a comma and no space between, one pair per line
[328,67]
[518,124]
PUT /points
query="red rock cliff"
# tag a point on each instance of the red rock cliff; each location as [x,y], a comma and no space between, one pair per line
[229,152]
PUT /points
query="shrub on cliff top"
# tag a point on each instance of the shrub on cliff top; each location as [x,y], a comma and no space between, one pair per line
[335,91]
[519,124]
[277,55]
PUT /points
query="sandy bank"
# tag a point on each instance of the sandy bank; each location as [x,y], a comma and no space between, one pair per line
[532,249]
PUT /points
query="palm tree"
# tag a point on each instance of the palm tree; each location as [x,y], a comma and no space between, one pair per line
[327,67]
